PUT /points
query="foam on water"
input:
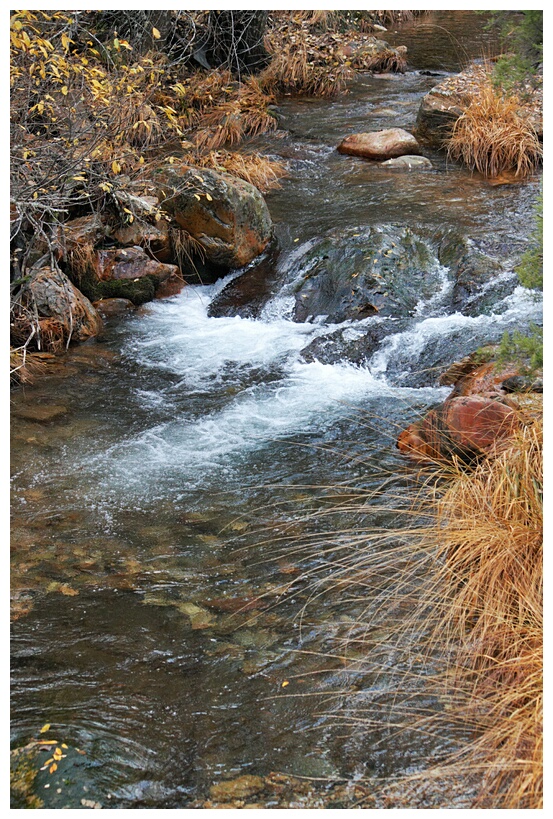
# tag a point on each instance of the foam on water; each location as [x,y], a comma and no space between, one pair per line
[205,354]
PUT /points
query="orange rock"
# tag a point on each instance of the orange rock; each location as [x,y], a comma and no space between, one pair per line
[463,425]
[485,379]
[477,424]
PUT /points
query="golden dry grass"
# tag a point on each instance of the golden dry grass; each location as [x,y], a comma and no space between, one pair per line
[492,135]
[449,591]
[293,71]
[260,171]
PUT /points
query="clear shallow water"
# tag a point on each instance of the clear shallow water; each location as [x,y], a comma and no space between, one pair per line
[154,524]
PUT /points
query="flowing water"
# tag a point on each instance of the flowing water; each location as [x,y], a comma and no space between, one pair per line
[169,627]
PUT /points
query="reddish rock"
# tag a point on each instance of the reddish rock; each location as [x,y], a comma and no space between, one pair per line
[463,426]
[142,234]
[477,424]
[130,263]
[171,286]
[487,378]
[379,145]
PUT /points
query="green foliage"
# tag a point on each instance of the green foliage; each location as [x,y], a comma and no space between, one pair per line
[528,349]
[522,35]
[530,269]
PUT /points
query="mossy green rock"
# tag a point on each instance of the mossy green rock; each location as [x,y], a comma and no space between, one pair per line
[363,272]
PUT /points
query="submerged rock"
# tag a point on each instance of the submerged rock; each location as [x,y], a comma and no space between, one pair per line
[379,145]
[239,788]
[408,163]
[40,413]
[227,216]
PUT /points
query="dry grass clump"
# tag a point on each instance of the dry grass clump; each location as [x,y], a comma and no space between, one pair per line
[259,170]
[294,71]
[477,619]
[492,135]
[244,114]
[489,536]
[447,642]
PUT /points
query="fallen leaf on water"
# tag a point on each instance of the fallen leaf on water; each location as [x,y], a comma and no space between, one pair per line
[285,683]
[53,768]
[45,728]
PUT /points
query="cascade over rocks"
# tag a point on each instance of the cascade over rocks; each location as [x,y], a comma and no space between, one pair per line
[471,269]
[225,215]
[349,344]
[379,145]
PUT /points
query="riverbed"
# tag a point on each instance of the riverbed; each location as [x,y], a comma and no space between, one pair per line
[176,522]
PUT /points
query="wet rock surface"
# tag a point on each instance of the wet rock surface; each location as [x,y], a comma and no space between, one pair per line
[246,295]
[409,163]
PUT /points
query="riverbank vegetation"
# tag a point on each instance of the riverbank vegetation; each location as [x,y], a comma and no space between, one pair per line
[497,131]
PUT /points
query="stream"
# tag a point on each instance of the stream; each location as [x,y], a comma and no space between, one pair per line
[166,566]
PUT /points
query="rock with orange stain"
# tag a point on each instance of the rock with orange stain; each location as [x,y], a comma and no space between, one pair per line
[226,216]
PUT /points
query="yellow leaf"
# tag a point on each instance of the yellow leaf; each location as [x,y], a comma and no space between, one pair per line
[64,90]
[285,683]
[141,160]
[45,728]
[115,166]
[155,33]
[53,768]
[63,745]
[209,197]
[197,197]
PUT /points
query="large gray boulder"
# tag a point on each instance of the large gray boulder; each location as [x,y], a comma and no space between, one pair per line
[384,270]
